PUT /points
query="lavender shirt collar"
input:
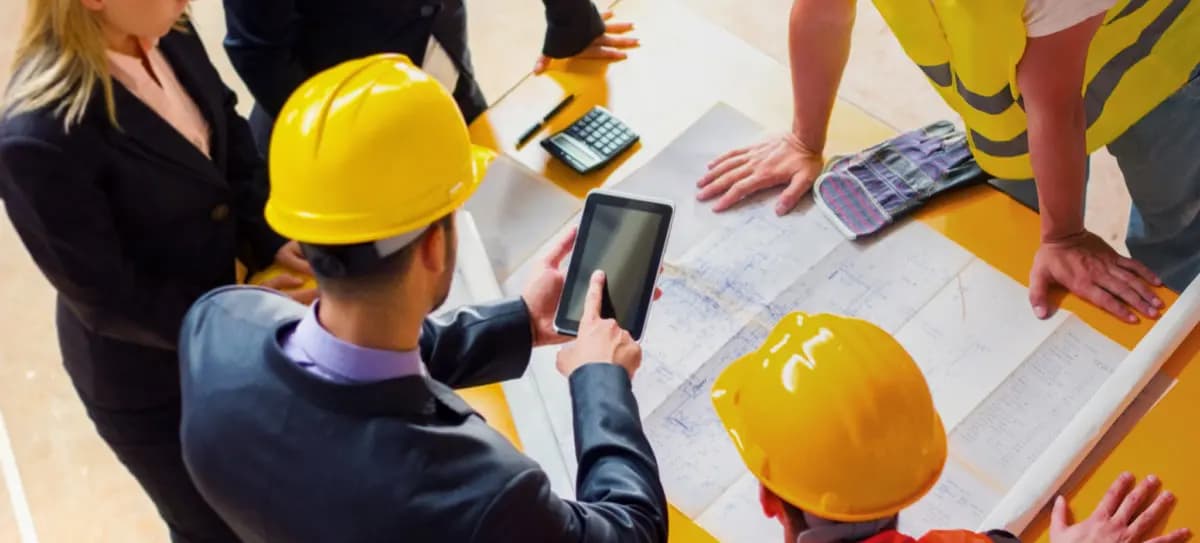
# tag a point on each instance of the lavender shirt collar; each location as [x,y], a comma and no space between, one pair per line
[319,352]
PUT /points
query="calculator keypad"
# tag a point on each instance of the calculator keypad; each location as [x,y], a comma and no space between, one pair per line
[602,132]
[591,141]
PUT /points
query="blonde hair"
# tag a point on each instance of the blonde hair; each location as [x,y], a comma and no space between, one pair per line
[59,62]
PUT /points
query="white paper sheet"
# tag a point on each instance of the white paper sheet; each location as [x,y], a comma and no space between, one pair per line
[1004,382]
[971,336]
[1001,437]
[516,211]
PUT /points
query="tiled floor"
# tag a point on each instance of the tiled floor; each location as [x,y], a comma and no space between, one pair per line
[76,490]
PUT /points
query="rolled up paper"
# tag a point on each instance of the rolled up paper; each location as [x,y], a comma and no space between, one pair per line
[1046,475]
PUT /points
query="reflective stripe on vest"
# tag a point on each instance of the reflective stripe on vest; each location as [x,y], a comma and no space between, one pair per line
[969,50]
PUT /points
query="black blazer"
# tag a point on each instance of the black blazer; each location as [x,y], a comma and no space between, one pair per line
[133,224]
[283,455]
[277,44]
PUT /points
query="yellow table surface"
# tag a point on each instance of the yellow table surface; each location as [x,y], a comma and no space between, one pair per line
[685,65]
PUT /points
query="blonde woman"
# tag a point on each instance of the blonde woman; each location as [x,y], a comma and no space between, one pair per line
[134,185]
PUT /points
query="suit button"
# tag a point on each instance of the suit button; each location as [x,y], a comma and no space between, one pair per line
[220,213]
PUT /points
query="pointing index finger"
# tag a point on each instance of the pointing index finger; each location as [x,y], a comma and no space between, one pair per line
[595,294]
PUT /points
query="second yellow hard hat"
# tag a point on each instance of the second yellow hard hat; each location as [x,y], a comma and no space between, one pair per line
[833,416]
[368,150]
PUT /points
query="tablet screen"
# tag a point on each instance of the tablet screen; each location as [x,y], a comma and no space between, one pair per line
[624,237]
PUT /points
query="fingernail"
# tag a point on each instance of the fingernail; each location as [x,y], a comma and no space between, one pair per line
[1158,303]
[1152,313]
[598,274]
[1131,319]
[1040,311]
[1169,496]
[1126,476]
[1152,479]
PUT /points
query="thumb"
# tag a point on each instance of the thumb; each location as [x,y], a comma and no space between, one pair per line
[1060,516]
[1039,292]
[791,195]
[540,65]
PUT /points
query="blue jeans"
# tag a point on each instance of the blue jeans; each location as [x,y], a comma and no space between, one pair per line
[1160,158]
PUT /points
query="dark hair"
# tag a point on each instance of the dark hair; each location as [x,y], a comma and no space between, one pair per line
[371,277]
[795,516]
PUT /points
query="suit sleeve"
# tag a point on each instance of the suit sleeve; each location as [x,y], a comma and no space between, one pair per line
[261,41]
[257,243]
[62,216]
[477,345]
[571,25]
[620,497]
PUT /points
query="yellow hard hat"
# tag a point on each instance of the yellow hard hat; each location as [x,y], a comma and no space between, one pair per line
[369,150]
[834,417]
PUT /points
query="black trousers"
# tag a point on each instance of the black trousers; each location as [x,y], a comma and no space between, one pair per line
[146,441]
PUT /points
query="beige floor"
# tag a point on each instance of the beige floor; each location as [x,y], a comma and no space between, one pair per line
[75,489]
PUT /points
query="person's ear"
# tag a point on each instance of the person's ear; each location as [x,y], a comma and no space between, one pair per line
[772,507]
[433,249]
[92,5]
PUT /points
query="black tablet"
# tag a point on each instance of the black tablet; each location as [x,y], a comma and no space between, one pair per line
[625,236]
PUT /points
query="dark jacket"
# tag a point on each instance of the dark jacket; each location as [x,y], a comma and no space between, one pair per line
[277,44]
[131,225]
[283,455]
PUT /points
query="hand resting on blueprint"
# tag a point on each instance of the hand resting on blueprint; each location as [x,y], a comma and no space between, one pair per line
[782,160]
[1090,268]
[1123,516]
[600,340]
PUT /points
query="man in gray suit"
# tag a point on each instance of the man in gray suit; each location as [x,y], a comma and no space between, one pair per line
[338,422]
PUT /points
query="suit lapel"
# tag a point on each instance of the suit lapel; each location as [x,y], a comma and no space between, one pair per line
[153,133]
[207,92]
[147,130]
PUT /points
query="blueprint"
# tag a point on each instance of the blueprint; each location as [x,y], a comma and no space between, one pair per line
[1004,382]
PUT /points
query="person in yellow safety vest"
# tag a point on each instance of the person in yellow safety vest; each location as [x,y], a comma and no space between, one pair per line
[1039,85]
[837,423]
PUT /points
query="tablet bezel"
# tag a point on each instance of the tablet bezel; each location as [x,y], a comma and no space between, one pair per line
[664,208]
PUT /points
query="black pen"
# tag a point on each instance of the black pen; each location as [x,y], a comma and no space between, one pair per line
[528,135]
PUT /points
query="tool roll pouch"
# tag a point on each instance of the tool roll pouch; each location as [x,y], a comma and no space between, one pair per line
[864,192]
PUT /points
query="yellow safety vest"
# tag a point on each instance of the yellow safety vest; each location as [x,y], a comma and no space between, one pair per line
[969,49]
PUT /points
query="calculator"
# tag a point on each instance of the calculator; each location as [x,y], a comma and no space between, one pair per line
[592,141]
